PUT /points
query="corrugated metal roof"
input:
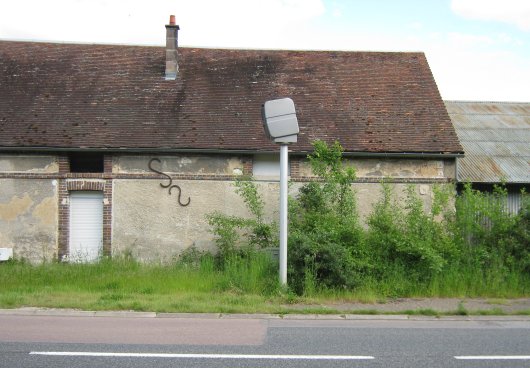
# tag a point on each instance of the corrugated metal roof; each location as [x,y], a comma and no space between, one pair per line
[496,140]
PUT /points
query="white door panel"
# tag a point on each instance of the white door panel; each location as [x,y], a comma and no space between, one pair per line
[86,226]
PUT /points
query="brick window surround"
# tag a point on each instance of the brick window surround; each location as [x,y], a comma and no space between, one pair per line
[84,182]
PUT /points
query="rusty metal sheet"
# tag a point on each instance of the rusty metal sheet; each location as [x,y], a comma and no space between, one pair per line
[494,135]
[488,108]
[496,140]
[484,169]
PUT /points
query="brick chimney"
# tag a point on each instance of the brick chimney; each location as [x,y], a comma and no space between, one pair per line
[172,66]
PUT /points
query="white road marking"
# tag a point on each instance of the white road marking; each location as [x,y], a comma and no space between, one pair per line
[493,357]
[201,356]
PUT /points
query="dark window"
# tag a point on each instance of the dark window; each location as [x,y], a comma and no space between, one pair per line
[86,162]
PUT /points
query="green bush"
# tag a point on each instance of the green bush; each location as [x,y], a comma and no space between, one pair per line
[491,236]
[318,261]
[325,244]
[407,237]
[464,245]
[239,239]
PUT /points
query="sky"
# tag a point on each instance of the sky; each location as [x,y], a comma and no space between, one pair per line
[478,50]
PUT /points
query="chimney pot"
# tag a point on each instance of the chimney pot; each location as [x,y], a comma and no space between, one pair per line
[172,20]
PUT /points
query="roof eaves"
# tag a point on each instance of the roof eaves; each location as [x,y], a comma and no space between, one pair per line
[233,151]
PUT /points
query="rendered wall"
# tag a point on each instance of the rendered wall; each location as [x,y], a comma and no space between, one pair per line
[149,222]
[37,164]
[28,206]
[142,198]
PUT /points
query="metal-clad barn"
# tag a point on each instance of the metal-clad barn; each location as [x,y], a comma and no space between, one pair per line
[496,141]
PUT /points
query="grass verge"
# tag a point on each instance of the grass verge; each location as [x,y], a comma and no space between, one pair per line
[240,286]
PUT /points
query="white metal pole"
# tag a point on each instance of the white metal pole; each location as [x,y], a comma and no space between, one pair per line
[284,163]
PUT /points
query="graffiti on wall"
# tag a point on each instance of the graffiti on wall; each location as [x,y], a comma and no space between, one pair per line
[169,185]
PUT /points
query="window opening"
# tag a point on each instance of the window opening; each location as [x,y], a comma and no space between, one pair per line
[81,162]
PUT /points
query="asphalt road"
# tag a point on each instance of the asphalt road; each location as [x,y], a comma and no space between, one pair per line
[74,341]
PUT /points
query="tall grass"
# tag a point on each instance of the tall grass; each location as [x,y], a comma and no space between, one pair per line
[122,283]
[478,282]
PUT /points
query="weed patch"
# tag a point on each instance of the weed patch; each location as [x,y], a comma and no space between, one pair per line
[470,246]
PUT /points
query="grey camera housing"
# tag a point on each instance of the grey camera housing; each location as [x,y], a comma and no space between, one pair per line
[280,121]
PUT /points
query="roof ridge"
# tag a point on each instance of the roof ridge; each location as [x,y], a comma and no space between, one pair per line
[489,102]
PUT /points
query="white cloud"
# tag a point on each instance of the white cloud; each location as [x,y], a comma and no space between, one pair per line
[473,71]
[416,26]
[245,23]
[515,12]
[100,21]
[463,39]
[228,23]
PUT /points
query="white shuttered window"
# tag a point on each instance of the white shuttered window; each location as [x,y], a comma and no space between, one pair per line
[86,226]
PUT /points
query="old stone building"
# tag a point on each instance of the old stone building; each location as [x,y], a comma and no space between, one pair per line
[127,148]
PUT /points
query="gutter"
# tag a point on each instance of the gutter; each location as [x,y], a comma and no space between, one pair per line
[229,151]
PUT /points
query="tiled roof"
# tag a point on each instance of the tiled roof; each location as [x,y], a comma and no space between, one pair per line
[115,97]
[496,139]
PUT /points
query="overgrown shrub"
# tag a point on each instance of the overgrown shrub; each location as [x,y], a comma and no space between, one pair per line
[192,257]
[407,237]
[490,235]
[227,231]
[325,243]
[318,261]
[261,233]
[469,245]
[238,237]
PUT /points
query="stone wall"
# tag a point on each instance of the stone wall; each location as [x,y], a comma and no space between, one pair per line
[394,168]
